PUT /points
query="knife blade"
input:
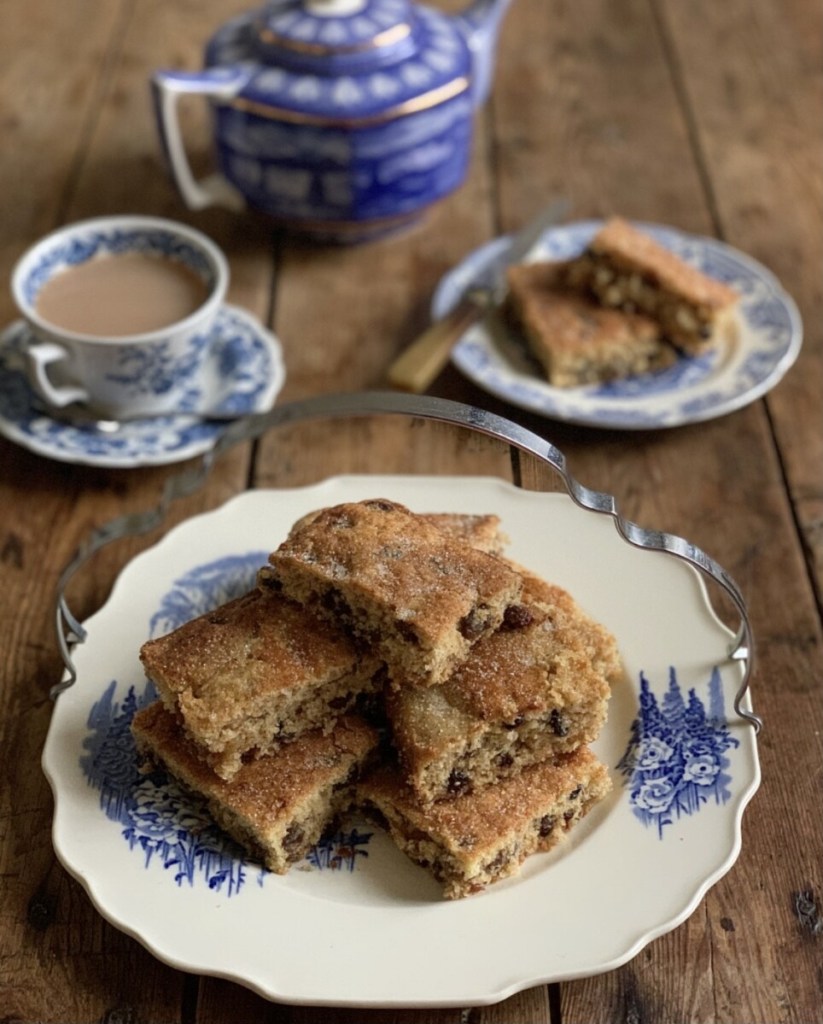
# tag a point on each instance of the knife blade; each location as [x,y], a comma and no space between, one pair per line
[418,365]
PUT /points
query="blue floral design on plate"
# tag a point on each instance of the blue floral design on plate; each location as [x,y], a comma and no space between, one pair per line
[170,827]
[240,369]
[205,587]
[167,826]
[675,763]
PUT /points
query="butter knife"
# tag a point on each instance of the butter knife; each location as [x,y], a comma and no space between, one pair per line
[418,365]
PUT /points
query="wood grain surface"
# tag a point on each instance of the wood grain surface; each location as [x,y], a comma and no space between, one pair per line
[701,115]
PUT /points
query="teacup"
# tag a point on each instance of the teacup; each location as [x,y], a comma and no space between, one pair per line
[120,311]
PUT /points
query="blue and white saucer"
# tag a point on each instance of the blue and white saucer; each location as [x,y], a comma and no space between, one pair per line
[242,374]
[766,342]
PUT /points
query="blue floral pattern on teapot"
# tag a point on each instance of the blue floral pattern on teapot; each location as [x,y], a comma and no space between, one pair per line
[339,118]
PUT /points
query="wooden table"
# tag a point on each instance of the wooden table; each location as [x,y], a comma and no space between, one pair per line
[702,115]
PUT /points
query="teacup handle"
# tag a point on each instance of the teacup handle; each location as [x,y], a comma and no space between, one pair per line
[167,88]
[40,355]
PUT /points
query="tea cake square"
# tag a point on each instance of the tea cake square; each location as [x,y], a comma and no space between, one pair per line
[417,595]
[575,339]
[625,268]
[534,689]
[278,806]
[255,673]
[471,841]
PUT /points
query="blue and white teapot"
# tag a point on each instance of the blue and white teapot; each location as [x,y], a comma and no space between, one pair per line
[338,118]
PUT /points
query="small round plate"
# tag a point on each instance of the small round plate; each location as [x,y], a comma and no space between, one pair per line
[766,343]
[243,373]
[357,923]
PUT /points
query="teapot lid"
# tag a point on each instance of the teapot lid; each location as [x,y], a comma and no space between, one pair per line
[332,36]
[373,61]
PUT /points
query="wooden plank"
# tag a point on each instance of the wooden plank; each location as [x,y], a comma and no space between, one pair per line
[42,140]
[306,453]
[753,103]
[591,105]
[752,77]
[48,921]
[322,1015]
[735,926]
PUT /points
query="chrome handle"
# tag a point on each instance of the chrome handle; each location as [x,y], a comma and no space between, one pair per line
[370,403]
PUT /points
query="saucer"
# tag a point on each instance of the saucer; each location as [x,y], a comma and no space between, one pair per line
[740,369]
[242,374]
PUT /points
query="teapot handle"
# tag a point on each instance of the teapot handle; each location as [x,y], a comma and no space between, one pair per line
[167,88]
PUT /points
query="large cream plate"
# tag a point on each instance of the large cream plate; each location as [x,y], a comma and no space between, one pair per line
[358,924]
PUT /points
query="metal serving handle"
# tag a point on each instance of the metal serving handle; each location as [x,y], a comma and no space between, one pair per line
[369,403]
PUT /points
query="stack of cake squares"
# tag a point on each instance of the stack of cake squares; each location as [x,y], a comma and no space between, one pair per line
[399,664]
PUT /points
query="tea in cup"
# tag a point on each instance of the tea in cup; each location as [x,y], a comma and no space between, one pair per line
[120,311]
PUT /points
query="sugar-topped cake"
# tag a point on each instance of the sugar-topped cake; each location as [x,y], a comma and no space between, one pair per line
[625,268]
[418,595]
[278,806]
[255,673]
[471,841]
[535,688]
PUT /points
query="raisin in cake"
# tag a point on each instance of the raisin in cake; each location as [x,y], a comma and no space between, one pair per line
[537,687]
[575,339]
[624,268]
[474,840]
[254,673]
[277,807]
[420,596]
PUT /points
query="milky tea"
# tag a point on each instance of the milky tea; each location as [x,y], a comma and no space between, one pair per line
[121,295]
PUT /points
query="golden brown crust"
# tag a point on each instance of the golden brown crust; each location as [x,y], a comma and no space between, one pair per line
[481,530]
[419,594]
[629,247]
[268,798]
[253,672]
[474,840]
[524,694]
[576,340]
[600,645]
[624,268]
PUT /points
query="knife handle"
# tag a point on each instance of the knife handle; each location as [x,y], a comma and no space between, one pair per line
[418,365]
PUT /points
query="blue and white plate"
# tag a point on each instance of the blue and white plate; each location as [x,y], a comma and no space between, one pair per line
[766,343]
[243,373]
[683,766]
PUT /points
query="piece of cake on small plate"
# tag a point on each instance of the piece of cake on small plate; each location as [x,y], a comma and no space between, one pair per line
[530,691]
[471,841]
[417,595]
[575,339]
[255,673]
[626,269]
[276,807]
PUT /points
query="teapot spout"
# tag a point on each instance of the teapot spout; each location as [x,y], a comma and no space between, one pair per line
[479,24]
